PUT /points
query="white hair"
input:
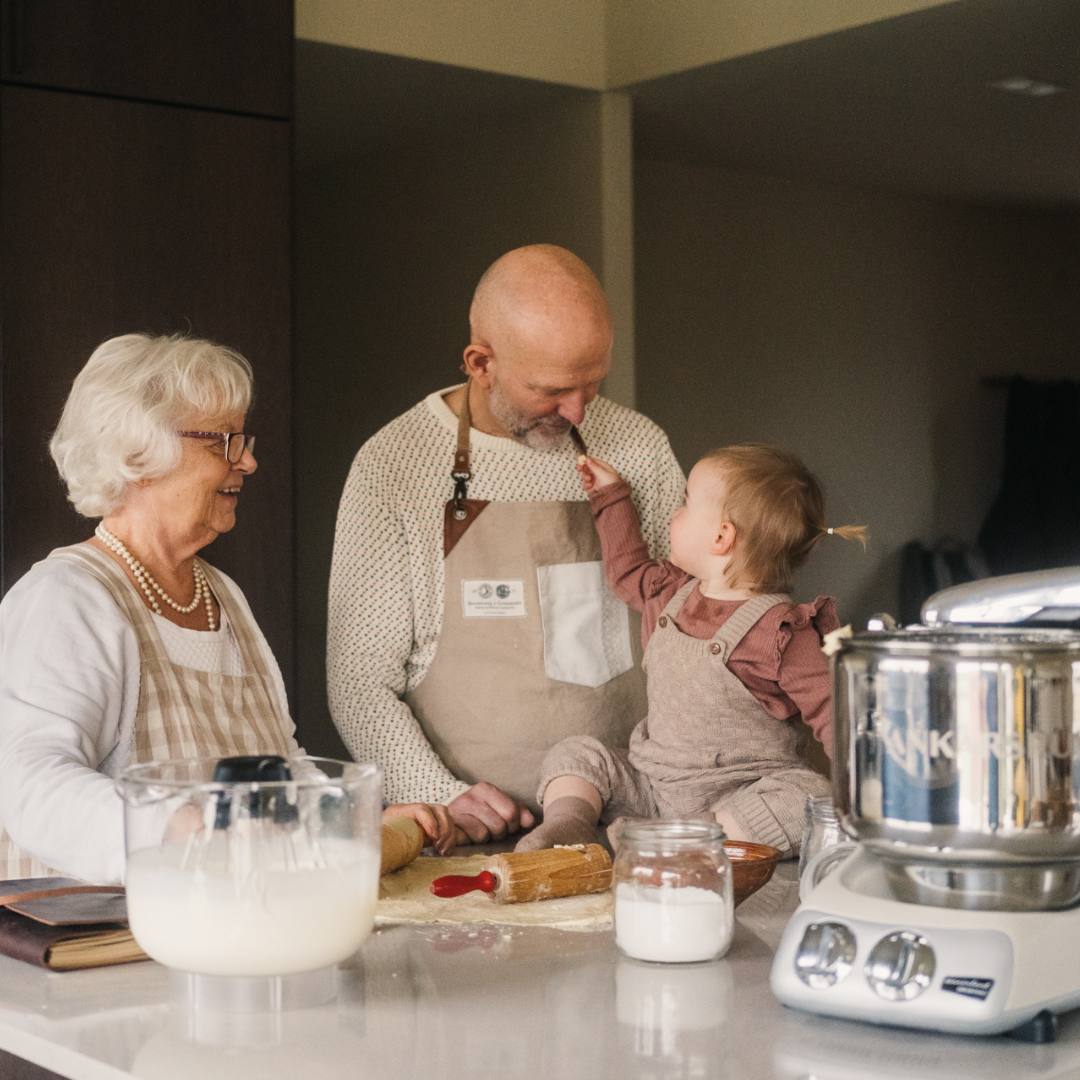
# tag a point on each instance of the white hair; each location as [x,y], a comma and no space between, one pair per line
[120,421]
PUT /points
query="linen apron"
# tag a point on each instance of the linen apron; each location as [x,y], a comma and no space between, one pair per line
[181,712]
[534,645]
[707,741]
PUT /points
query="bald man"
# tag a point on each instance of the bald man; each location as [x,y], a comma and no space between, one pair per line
[470,626]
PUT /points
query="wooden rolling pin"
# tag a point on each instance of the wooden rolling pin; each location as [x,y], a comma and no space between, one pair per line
[402,841]
[521,876]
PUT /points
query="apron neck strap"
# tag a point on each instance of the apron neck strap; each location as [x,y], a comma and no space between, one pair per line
[462,470]
[461,455]
[461,473]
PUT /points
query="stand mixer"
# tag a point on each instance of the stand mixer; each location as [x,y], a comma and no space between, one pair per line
[957,766]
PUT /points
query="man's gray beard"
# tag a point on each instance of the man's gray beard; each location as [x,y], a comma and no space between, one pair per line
[536,432]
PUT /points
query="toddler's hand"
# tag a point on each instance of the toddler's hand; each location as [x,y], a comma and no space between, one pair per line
[596,474]
[432,818]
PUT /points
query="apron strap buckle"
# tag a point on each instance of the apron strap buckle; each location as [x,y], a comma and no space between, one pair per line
[460,479]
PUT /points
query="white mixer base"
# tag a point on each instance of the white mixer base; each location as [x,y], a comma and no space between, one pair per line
[992,971]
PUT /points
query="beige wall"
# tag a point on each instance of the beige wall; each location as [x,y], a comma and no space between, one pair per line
[852,328]
[389,249]
[555,40]
[616,266]
[596,44]
[649,38]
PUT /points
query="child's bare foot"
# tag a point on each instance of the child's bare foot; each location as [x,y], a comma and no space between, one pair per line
[567,821]
[732,829]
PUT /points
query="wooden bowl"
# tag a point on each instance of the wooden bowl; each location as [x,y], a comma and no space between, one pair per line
[752,865]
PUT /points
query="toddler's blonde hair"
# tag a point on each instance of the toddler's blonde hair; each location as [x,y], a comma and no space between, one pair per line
[778,510]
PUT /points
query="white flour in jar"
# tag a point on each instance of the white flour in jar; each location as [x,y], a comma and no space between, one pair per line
[672,925]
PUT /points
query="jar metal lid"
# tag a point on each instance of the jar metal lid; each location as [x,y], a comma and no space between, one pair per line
[672,832]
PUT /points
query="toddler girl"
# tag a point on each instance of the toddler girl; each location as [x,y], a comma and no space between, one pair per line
[730,661]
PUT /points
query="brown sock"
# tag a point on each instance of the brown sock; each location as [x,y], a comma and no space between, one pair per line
[569,820]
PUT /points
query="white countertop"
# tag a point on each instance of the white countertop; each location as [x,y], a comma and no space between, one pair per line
[442,1003]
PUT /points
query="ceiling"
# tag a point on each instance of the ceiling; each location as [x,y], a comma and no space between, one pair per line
[903,104]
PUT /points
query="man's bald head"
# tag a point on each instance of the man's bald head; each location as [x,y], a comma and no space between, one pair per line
[533,291]
[540,344]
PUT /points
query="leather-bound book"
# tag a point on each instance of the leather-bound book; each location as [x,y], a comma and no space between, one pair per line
[62,924]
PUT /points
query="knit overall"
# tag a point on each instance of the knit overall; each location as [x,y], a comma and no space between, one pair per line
[707,743]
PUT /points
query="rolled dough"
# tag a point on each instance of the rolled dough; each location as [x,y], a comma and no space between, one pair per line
[404,896]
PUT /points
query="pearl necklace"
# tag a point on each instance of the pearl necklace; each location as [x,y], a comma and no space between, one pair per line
[147,582]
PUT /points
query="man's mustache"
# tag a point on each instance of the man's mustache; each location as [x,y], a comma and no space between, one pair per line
[556,423]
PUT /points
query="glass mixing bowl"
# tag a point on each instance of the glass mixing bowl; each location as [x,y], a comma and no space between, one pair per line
[251,877]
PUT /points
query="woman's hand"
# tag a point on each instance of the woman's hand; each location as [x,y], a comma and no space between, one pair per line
[186,822]
[433,819]
[597,474]
[485,813]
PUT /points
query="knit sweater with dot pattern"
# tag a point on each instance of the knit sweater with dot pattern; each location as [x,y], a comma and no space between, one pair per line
[386,579]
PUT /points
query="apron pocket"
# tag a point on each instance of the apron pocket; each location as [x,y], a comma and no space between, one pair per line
[586,627]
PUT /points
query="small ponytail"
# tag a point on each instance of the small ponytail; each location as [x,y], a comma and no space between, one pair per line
[850,532]
[778,510]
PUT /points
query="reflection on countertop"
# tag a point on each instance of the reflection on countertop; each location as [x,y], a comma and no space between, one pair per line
[449,1002]
[826,1049]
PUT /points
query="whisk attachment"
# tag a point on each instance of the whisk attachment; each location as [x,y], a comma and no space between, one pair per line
[254,769]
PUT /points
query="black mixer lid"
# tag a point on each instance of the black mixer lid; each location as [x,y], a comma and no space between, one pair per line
[254,769]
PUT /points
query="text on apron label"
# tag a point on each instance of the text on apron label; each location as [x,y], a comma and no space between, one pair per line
[493,599]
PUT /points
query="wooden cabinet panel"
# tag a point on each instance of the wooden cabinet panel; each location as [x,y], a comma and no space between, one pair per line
[17,1068]
[234,55]
[118,216]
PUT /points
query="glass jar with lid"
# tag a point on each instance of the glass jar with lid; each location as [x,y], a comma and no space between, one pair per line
[673,891]
[825,844]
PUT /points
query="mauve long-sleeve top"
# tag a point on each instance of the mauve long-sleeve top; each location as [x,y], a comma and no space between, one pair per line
[779,660]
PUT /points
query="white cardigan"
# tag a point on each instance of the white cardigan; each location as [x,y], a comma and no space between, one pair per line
[69,690]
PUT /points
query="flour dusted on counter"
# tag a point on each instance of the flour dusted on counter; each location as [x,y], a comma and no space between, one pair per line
[678,925]
[405,896]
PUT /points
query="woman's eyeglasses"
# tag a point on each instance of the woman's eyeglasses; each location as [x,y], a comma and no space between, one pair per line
[236,442]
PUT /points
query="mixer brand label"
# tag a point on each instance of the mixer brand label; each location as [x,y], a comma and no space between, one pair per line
[920,751]
[967,986]
[906,743]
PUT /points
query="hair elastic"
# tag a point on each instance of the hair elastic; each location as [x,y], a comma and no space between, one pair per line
[830,531]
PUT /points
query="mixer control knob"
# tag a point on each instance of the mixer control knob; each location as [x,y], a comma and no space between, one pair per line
[825,954]
[900,966]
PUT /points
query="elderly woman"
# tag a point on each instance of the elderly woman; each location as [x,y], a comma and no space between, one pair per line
[128,648]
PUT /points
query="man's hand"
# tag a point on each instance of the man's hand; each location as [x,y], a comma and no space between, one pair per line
[597,474]
[433,818]
[485,813]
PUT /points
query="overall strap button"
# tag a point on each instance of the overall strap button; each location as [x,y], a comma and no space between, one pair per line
[663,620]
[714,648]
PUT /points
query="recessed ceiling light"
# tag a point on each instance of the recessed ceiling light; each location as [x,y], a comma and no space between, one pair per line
[1020,84]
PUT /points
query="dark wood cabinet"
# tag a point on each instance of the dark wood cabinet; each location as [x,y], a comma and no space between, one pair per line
[233,55]
[118,216]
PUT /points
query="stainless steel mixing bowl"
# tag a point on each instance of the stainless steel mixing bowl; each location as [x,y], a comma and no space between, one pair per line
[960,745]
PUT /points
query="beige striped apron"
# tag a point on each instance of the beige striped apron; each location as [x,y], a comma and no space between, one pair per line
[182,713]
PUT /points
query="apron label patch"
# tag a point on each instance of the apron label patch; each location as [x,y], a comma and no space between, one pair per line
[493,599]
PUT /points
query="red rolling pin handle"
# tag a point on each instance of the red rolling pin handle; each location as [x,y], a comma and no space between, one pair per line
[459,884]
